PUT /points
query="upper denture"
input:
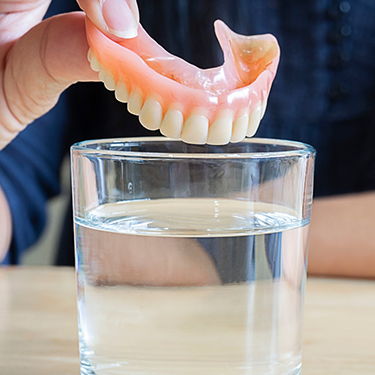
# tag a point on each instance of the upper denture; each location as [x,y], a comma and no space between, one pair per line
[216,105]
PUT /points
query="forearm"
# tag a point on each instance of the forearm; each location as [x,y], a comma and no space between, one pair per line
[5,225]
[341,240]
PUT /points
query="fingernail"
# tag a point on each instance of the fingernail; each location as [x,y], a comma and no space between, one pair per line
[120,19]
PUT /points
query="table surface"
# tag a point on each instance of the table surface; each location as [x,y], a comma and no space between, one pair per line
[38,325]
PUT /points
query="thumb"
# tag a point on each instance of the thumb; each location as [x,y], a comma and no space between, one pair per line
[43,63]
[119,18]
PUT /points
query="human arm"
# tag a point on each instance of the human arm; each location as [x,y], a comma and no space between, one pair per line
[29,175]
[341,240]
[25,79]
[5,225]
[40,59]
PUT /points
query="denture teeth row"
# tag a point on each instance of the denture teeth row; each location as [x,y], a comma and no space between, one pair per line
[195,129]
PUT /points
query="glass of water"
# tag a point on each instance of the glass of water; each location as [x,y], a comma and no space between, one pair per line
[191,259]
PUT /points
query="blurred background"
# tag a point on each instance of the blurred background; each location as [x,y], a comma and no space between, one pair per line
[44,252]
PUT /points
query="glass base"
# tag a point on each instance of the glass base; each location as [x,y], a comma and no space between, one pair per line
[86,369]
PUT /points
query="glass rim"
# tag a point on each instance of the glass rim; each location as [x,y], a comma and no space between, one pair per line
[301,149]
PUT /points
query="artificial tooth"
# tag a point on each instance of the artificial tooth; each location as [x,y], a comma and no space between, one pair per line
[220,131]
[151,114]
[122,92]
[89,55]
[264,106]
[240,128]
[254,120]
[172,124]
[94,63]
[195,130]
[135,103]
[107,79]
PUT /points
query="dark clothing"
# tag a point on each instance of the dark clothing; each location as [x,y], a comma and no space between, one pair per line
[323,94]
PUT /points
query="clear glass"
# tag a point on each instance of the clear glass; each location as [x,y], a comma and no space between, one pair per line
[191,259]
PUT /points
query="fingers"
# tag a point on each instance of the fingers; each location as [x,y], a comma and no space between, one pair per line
[43,63]
[115,18]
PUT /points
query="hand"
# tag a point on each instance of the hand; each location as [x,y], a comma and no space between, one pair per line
[41,59]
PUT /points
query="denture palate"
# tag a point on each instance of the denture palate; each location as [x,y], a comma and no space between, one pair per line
[214,106]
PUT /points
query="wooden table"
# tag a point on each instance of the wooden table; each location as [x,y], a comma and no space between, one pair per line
[38,326]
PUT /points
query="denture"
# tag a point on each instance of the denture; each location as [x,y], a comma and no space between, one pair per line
[214,106]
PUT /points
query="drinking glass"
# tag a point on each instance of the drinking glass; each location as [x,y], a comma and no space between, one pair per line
[191,259]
